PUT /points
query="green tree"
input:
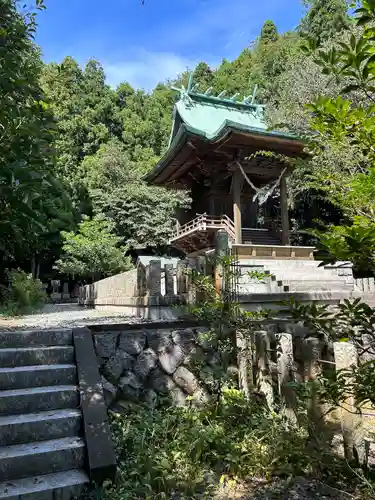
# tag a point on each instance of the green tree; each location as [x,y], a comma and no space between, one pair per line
[143,215]
[94,251]
[348,123]
[145,121]
[203,76]
[315,185]
[109,168]
[234,76]
[269,62]
[269,32]
[355,243]
[33,204]
[85,112]
[324,18]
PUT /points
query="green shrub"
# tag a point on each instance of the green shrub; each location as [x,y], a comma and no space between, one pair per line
[168,451]
[189,453]
[23,294]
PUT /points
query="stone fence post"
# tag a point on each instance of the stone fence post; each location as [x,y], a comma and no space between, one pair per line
[141,281]
[312,352]
[169,279]
[346,357]
[181,277]
[154,278]
[245,361]
[286,374]
[221,250]
[264,376]
[365,285]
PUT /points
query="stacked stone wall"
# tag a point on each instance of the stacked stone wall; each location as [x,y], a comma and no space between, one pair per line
[145,365]
[175,364]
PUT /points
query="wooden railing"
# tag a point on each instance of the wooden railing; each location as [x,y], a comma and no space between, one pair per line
[203,223]
[229,226]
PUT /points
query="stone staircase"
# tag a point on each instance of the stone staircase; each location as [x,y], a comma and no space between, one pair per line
[42,451]
[296,276]
[259,237]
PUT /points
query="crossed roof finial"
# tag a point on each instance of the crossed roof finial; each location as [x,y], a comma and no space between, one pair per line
[191,91]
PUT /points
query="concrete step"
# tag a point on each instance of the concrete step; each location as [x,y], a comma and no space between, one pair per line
[60,485]
[308,285]
[268,243]
[44,425]
[297,275]
[262,239]
[30,400]
[37,376]
[259,238]
[283,264]
[29,338]
[44,457]
[308,276]
[21,356]
[302,270]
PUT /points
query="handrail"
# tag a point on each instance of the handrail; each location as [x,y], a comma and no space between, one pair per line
[204,220]
[229,224]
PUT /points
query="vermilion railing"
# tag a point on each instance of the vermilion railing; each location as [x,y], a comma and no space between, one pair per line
[203,223]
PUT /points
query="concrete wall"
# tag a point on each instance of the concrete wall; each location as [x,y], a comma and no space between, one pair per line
[110,289]
[151,292]
[157,293]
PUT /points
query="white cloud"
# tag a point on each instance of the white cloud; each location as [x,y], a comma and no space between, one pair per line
[145,69]
[207,33]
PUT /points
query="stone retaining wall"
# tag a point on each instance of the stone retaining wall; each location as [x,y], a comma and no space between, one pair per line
[147,364]
[174,361]
[144,363]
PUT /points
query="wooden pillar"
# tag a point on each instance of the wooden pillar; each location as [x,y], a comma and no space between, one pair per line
[236,187]
[285,238]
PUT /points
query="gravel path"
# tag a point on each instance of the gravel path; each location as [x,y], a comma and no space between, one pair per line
[64,316]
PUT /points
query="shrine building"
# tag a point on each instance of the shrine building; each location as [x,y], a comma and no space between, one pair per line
[235,169]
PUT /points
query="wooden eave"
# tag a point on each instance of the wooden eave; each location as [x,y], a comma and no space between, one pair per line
[195,156]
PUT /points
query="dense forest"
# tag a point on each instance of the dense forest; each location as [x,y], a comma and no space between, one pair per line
[73,153]
[73,150]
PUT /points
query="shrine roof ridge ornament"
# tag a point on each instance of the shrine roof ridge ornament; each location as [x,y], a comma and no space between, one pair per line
[218,120]
[209,116]
[190,94]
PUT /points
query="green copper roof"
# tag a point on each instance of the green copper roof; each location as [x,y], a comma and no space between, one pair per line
[206,115]
[211,117]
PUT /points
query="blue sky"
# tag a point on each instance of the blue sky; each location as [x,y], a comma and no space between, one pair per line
[144,44]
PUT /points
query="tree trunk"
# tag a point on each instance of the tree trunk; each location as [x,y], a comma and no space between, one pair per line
[33,266]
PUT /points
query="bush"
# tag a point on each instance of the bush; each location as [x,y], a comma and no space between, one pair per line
[171,452]
[189,453]
[23,294]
